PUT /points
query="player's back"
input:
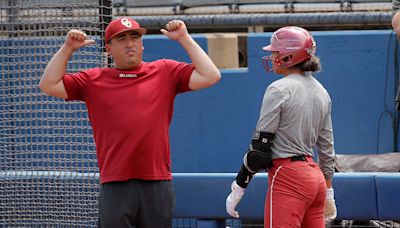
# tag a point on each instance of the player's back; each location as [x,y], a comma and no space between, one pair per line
[303,111]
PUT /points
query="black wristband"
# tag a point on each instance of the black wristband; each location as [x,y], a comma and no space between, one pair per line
[243,177]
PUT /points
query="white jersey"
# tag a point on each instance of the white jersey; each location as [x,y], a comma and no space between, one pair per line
[297,109]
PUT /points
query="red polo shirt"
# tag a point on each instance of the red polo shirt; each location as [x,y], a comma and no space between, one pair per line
[130,112]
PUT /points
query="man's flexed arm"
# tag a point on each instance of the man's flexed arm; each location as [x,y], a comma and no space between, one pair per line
[51,82]
[206,73]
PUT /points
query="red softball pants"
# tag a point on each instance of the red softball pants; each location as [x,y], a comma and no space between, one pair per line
[296,195]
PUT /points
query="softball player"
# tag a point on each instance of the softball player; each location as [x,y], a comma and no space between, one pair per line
[295,116]
[130,109]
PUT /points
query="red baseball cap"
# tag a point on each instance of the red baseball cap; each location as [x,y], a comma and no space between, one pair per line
[120,25]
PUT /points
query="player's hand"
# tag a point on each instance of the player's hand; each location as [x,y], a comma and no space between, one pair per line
[330,207]
[175,29]
[233,199]
[77,39]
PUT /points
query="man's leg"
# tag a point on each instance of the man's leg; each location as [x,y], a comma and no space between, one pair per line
[157,204]
[118,204]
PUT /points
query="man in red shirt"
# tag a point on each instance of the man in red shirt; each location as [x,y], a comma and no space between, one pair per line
[130,108]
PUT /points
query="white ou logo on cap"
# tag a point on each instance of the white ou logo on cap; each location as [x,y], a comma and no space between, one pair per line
[126,22]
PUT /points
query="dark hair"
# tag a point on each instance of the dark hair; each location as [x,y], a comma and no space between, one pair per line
[313,64]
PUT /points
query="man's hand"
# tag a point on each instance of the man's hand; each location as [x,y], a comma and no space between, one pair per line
[233,199]
[175,30]
[330,207]
[77,39]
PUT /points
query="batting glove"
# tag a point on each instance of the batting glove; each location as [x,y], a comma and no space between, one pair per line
[233,199]
[330,207]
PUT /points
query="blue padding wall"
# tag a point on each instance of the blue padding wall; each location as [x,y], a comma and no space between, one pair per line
[355,195]
[358,196]
[211,128]
[202,195]
[388,190]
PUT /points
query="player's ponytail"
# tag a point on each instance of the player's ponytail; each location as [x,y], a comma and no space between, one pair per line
[311,65]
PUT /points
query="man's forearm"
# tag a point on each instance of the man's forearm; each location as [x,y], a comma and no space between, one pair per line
[201,61]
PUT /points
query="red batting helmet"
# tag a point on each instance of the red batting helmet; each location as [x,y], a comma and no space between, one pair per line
[293,44]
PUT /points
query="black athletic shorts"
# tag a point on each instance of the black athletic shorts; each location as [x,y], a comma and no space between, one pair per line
[136,204]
